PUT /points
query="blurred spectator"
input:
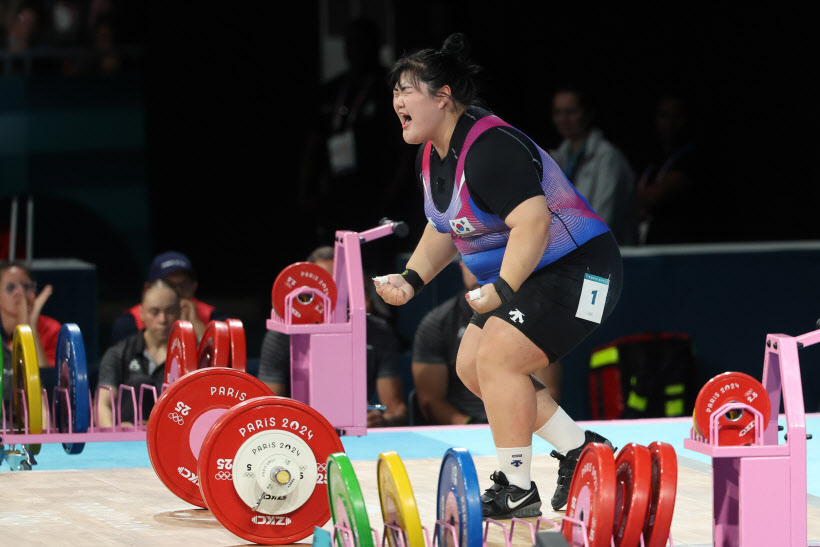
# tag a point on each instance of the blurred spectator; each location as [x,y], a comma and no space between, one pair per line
[383,376]
[139,358]
[440,396]
[67,24]
[353,147]
[666,188]
[23,24]
[98,9]
[176,269]
[104,59]
[596,167]
[22,31]
[20,304]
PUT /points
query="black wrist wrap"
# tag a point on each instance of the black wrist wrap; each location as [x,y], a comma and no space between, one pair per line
[414,279]
[504,290]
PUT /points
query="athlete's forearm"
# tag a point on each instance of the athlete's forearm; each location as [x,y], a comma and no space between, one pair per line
[434,251]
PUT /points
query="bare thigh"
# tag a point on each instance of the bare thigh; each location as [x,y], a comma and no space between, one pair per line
[466,359]
[502,345]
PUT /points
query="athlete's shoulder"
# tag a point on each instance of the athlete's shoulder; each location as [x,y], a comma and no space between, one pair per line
[475,113]
[494,132]
[503,143]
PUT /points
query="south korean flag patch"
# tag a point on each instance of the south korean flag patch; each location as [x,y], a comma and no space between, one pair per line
[461,226]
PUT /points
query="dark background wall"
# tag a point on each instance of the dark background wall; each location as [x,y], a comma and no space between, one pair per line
[226,92]
[226,99]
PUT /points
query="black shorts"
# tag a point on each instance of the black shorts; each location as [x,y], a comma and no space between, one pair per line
[545,306]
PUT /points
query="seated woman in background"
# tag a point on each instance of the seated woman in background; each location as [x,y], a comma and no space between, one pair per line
[20,305]
[139,358]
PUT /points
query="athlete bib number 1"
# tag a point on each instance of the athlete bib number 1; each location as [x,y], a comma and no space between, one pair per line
[593,298]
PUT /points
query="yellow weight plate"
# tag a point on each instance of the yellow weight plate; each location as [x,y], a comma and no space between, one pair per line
[26,375]
[397,499]
[695,422]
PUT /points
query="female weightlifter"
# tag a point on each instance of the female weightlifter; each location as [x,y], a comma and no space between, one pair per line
[549,268]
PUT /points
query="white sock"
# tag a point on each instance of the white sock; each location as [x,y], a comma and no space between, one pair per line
[515,464]
[562,432]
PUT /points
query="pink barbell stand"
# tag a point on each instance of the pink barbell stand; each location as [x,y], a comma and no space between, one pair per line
[328,360]
[759,491]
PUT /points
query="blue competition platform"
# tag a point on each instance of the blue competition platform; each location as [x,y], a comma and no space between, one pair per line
[433,442]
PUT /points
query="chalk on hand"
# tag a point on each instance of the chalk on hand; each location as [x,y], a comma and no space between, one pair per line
[475,294]
[380,280]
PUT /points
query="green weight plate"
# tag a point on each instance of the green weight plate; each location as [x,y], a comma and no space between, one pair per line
[346,501]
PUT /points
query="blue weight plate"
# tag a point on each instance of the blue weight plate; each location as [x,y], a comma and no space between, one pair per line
[459,499]
[72,374]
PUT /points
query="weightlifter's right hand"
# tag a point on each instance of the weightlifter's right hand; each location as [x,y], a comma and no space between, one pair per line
[393,289]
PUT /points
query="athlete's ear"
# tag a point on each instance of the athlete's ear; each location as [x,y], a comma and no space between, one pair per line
[443,95]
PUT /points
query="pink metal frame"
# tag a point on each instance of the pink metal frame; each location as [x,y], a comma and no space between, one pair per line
[328,360]
[400,536]
[11,435]
[759,491]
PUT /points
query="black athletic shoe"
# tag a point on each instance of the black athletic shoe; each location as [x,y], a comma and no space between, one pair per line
[567,467]
[504,500]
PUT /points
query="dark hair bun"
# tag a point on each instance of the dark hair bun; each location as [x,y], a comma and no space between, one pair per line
[457,46]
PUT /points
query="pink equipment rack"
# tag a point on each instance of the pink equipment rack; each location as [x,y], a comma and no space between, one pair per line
[95,433]
[328,367]
[759,491]
[10,436]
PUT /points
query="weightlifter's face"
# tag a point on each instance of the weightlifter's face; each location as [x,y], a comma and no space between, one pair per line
[419,112]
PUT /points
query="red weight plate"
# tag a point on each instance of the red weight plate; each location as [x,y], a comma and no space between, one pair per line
[263,470]
[592,494]
[182,351]
[662,494]
[307,308]
[735,427]
[182,416]
[215,347]
[633,482]
[239,354]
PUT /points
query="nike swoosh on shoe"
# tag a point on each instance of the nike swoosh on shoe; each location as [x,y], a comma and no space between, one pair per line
[513,505]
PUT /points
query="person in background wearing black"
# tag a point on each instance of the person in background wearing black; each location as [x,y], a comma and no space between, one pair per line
[667,185]
[139,358]
[349,149]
